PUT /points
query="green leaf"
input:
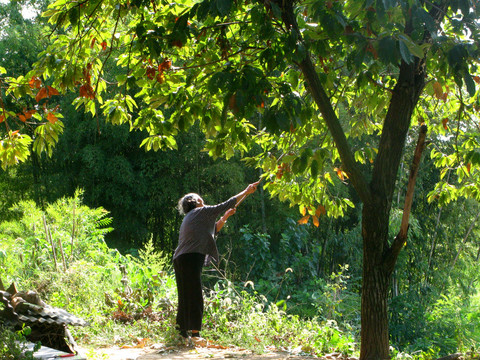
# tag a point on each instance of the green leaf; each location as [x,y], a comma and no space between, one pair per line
[300,52]
[473,157]
[405,52]
[470,84]
[426,18]
[73,15]
[282,120]
[224,6]
[414,49]
[387,50]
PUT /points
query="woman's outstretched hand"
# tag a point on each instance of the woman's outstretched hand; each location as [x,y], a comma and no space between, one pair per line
[252,187]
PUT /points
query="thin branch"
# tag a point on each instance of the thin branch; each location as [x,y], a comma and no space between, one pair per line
[330,117]
[401,238]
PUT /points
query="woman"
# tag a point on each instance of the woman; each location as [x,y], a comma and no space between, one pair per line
[195,247]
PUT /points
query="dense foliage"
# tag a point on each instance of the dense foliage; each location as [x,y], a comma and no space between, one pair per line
[139,294]
[263,307]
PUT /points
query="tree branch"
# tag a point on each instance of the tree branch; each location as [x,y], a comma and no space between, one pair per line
[324,104]
[401,238]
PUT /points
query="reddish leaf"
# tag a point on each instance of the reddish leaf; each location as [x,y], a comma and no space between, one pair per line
[52,118]
[104,45]
[477,79]
[339,173]
[35,83]
[232,103]
[469,165]
[52,91]
[165,65]
[320,211]
[2,118]
[86,91]
[29,113]
[177,43]
[315,221]
[151,72]
[42,94]
[93,43]
[438,90]
[372,50]
[279,174]
[22,117]
[444,122]
[304,220]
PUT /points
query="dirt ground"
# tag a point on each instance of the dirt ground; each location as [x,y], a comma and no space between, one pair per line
[158,352]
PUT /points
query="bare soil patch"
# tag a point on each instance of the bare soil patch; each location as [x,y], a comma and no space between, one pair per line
[158,352]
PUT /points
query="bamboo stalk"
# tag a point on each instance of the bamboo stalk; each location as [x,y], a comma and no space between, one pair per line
[48,236]
[73,230]
[63,254]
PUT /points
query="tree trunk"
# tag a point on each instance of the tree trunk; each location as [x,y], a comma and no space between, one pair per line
[375,281]
[374,324]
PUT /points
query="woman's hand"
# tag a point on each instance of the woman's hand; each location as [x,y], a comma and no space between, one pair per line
[219,224]
[252,187]
[229,213]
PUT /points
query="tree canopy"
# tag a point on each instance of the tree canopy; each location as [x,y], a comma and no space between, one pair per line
[318,93]
[233,67]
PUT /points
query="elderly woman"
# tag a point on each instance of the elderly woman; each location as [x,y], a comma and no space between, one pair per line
[196,246]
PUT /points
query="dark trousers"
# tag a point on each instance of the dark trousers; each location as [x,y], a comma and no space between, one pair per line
[188,270]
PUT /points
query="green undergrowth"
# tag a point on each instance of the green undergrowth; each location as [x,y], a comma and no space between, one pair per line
[61,253]
[250,321]
[131,301]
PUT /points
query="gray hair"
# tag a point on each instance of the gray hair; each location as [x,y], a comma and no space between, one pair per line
[188,203]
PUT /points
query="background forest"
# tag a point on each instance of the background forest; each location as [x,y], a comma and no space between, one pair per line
[121,202]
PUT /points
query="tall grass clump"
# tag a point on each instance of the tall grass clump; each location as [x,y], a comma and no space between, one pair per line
[249,320]
[60,252]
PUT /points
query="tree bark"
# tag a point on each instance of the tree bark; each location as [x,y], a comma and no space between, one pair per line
[374,314]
